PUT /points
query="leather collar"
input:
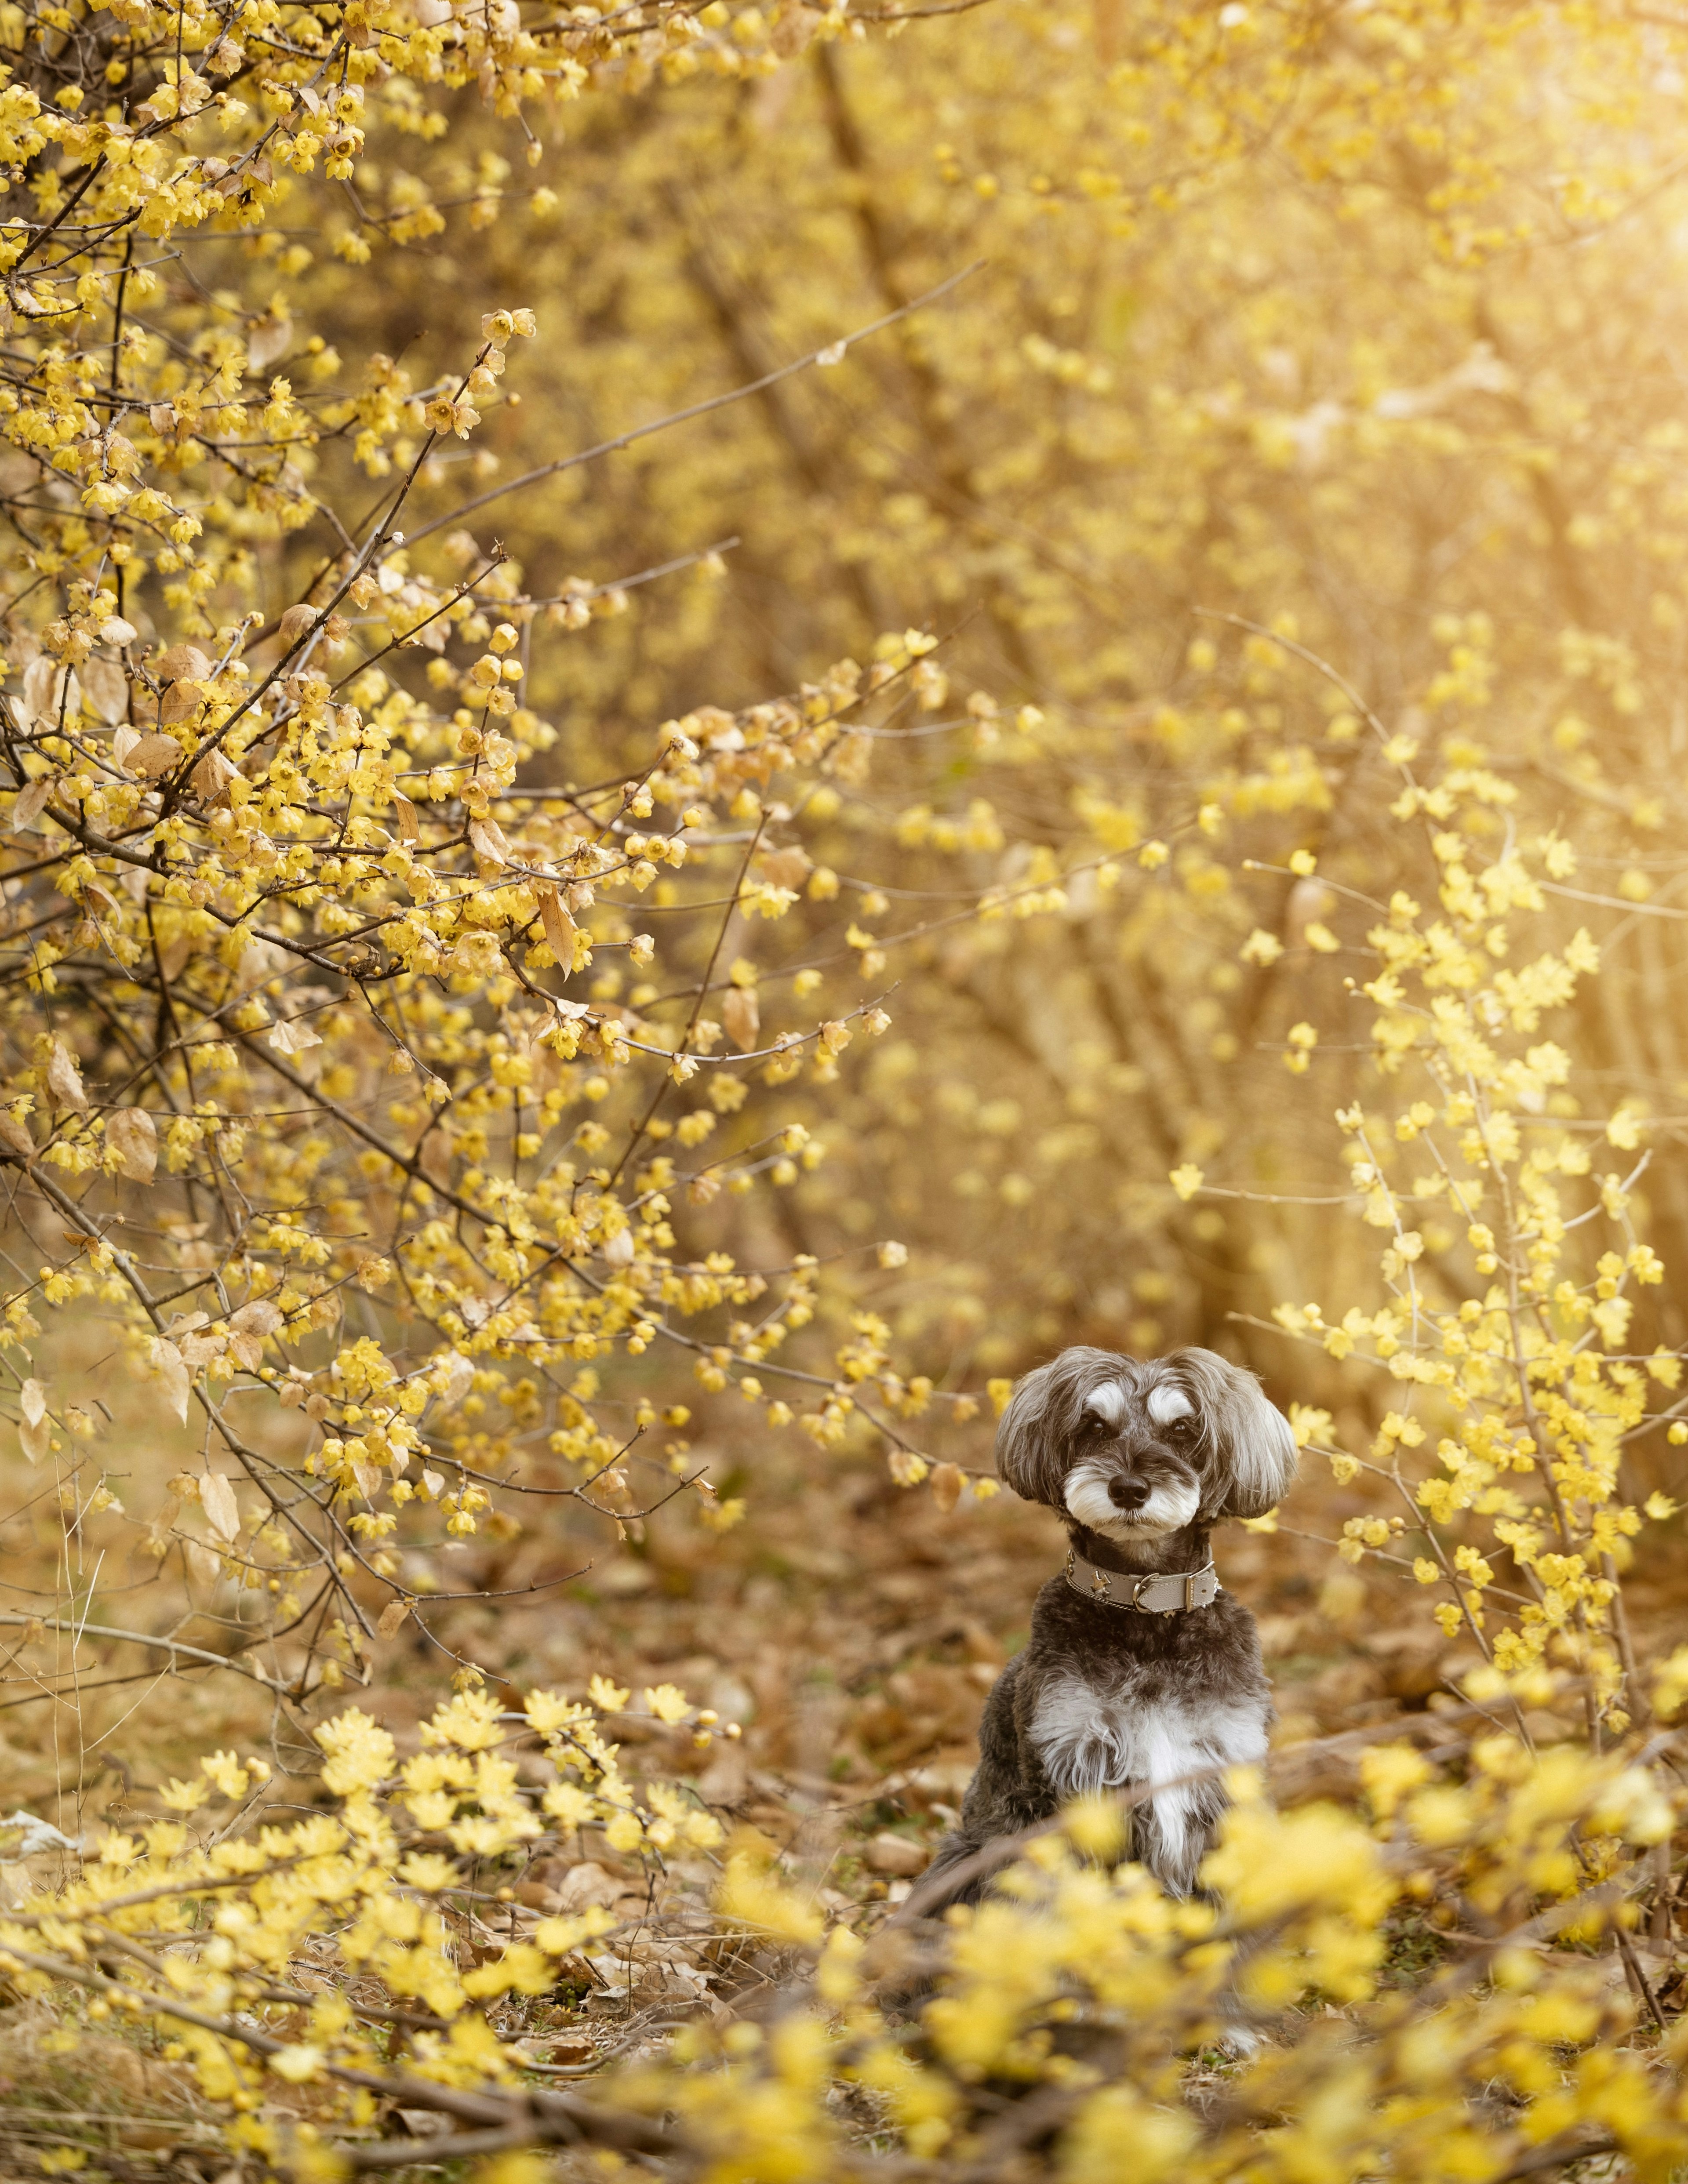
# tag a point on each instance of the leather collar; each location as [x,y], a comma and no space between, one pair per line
[1161,1592]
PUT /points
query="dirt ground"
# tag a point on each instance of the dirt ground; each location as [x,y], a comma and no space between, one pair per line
[849,1626]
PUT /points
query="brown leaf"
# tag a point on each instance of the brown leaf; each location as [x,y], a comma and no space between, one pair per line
[293,1038]
[44,688]
[486,837]
[167,1363]
[742,1014]
[14,1132]
[106,689]
[32,1402]
[133,1136]
[297,622]
[180,702]
[201,1563]
[261,1317]
[34,1438]
[153,756]
[785,868]
[222,1512]
[31,802]
[64,1079]
[393,1618]
[115,630]
[405,812]
[183,659]
[559,926]
[459,1379]
[271,337]
[213,775]
[946,1486]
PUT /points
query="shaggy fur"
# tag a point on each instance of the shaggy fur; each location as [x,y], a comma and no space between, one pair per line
[1141,1459]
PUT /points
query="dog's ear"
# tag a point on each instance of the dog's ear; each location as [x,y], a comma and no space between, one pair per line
[1028,1458]
[1252,1452]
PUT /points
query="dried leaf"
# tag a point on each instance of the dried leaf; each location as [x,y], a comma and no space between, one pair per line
[34,1438]
[182,660]
[222,1512]
[271,337]
[115,630]
[32,1402]
[742,1014]
[180,702]
[30,802]
[133,1136]
[393,1618]
[293,1038]
[168,1363]
[14,1132]
[297,622]
[459,1379]
[201,1563]
[559,926]
[946,1486]
[213,775]
[405,812]
[43,687]
[260,1318]
[152,755]
[65,1079]
[123,741]
[106,689]
[486,837]
[785,868]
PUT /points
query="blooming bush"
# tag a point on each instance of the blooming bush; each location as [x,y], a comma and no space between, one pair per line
[445,1063]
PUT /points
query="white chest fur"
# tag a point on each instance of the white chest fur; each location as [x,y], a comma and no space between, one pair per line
[1091,1739]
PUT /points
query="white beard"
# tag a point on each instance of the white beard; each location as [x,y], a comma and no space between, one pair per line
[1169,1508]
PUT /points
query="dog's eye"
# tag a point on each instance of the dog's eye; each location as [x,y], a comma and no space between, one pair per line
[1091,1423]
[1181,1429]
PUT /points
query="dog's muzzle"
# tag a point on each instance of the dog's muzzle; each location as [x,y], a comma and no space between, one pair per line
[1163,1592]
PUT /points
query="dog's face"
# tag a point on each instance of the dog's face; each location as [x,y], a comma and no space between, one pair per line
[1136,1449]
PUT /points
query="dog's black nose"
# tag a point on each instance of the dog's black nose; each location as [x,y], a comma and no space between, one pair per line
[1127,1493]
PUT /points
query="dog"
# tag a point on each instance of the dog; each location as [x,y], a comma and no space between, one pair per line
[1141,1672]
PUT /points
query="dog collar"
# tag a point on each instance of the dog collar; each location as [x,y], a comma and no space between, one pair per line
[1163,1592]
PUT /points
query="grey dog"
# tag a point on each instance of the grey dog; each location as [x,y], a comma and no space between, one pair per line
[1140,1670]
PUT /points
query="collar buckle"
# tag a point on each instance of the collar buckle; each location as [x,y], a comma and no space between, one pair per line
[1097,1585]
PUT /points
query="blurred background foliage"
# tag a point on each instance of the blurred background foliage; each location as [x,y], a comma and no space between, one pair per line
[1313,359]
[1356,323]
[1302,402]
